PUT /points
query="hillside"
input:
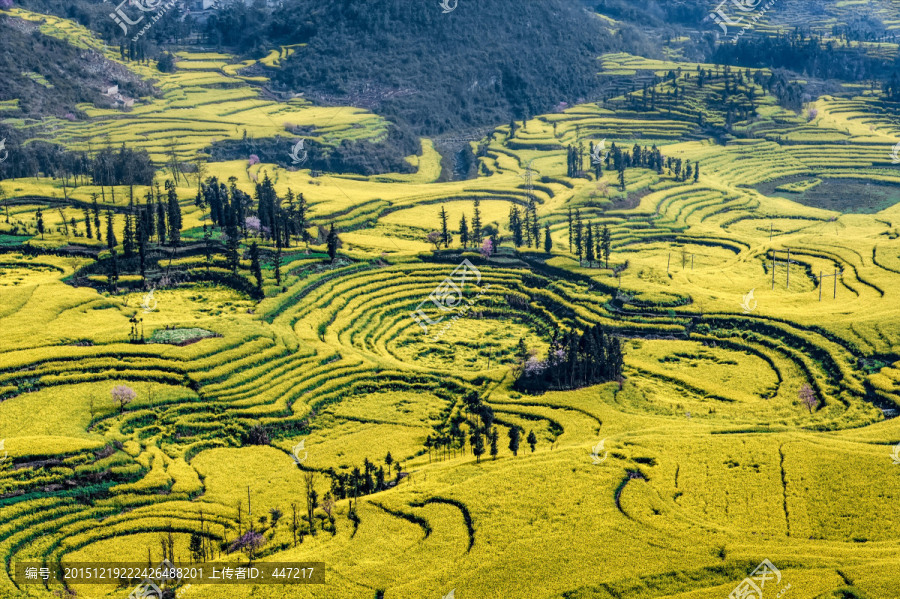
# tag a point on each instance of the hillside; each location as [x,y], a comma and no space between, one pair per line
[485,62]
[45,76]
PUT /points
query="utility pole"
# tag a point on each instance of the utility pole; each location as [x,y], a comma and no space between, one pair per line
[787,263]
[789,268]
[822,278]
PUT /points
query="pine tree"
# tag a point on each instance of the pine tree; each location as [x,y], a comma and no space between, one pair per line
[150,215]
[160,223]
[589,246]
[332,242]
[463,232]
[302,224]
[548,241]
[445,232]
[532,440]
[97,217]
[87,223]
[579,236]
[515,225]
[128,236]
[232,235]
[571,230]
[111,241]
[142,245]
[514,440]
[606,244]
[174,215]
[277,261]
[493,436]
[40,222]
[476,224]
[478,445]
[255,266]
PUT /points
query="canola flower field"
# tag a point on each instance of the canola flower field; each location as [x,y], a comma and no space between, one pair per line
[676,481]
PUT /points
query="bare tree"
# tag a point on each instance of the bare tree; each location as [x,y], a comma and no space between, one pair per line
[311,499]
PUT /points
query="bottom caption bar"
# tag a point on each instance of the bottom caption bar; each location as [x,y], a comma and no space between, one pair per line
[120,573]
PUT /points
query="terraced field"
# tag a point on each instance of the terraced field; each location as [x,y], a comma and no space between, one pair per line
[711,461]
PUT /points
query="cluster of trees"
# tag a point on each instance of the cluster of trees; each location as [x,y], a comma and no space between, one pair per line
[277,219]
[371,479]
[234,212]
[473,425]
[588,241]
[526,231]
[251,539]
[737,98]
[105,167]
[619,160]
[892,88]
[272,218]
[806,54]
[158,219]
[473,233]
[863,27]
[574,359]
[525,228]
